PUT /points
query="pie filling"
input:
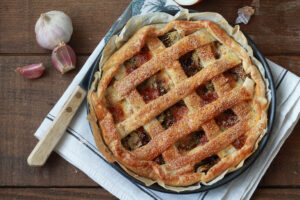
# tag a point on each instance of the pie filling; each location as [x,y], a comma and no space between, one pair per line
[190,63]
[217,52]
[136,61]
[207,93]
[159,160]
[190,141]
[226,120]
[172,114]
[206,164]
[239,142]
[238,73]
[152,88]
[170,38]
[236,76]
[135,139]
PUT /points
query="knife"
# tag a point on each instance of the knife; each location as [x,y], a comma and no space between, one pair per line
[45,146]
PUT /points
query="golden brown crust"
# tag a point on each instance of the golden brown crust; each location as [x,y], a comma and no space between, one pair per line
[190,123]
[245,97]
[153,108]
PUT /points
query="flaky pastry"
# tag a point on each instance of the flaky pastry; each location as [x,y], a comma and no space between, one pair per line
[179,103]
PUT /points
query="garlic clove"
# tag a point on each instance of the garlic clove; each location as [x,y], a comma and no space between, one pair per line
[52,28]
[187,2]
[63,58]
[31,71]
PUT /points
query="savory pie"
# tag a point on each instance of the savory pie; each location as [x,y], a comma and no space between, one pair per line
[179,104]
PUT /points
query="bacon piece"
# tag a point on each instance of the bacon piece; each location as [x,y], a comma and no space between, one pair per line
[139,59]
[208,97]
[130,69]
[149,94]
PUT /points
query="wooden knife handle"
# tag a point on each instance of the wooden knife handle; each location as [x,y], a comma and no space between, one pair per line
[44,147]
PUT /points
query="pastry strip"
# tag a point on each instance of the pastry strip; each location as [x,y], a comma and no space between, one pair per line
[191,123]
[153,108]
[166,57]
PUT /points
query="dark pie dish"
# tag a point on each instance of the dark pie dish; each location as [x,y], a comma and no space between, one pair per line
[149,96]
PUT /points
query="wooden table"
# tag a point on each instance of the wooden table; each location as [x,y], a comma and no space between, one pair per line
[24,103]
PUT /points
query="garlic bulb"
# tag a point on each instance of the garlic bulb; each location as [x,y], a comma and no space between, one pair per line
[63,58]
[31,71]
[52,28]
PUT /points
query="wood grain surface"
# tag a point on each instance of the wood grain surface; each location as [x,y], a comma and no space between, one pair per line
[24,103]
[99,193]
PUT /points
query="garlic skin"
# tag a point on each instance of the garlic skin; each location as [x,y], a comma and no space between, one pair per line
[63,58]
[52,28]
[31,71]
[244,14]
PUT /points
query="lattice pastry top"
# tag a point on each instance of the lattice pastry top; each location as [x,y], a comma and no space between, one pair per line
[179,104]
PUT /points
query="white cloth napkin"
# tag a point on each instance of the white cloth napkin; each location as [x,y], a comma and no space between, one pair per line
[78,147]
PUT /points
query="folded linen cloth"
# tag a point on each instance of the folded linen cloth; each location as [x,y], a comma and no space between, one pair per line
[78,147]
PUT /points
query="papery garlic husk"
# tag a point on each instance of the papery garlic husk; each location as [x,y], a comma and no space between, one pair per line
[52,28]
[63,58]
[244,14]
[31,71]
